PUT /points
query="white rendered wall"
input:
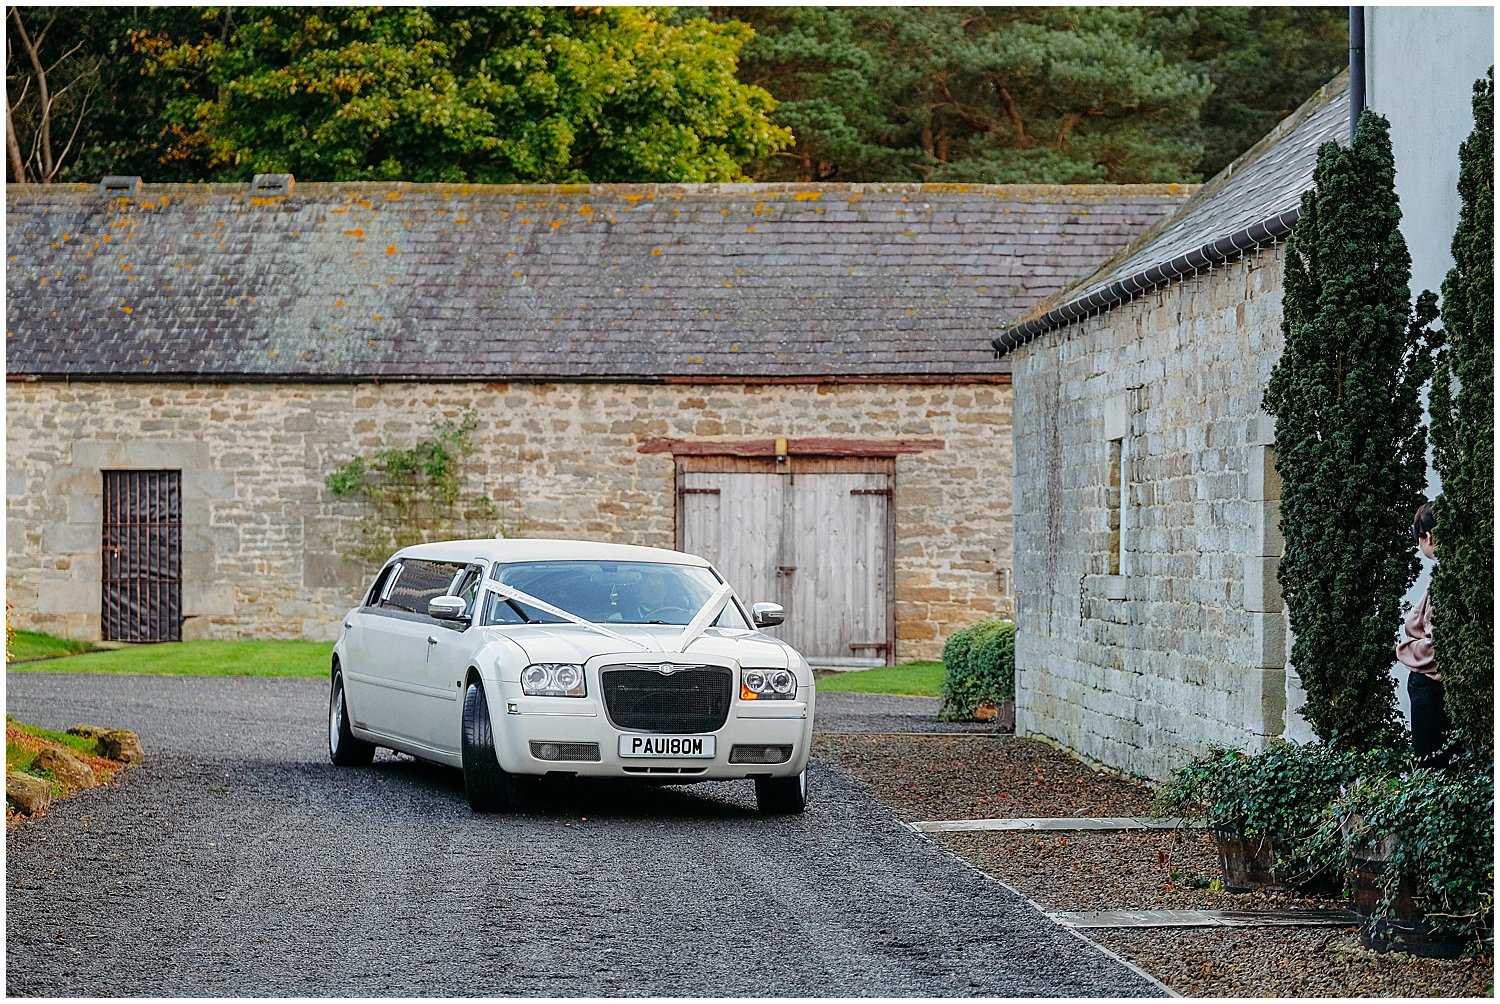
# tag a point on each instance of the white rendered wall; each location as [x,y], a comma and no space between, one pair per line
[1420,67]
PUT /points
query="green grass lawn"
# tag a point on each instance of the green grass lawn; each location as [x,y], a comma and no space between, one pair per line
[910,679]
[196,658]
[35,645]
[310,659]
[18,757]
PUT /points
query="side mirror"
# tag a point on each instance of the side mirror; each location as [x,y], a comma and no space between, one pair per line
[447,608]
[767,614]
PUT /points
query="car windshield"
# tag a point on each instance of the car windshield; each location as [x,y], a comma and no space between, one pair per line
[607,592]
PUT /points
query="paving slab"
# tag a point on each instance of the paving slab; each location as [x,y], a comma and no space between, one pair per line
[1065,823]
[1206,918]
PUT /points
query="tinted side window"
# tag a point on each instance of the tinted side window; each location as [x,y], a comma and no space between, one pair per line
[468,590]
[420,581]
[373,595]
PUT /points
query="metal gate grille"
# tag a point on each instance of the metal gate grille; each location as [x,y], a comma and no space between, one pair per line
[142,556]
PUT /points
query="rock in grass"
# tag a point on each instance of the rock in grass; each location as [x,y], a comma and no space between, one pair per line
[30,795]
[122,745]
[88,731]
[114,744]
[74,774]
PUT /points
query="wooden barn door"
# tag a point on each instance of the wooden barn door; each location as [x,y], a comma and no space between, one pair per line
[142,556]
[814,535]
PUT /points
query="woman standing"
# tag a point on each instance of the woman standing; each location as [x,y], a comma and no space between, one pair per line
[1430,724]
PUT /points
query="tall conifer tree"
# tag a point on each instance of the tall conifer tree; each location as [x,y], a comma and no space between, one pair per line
[1463,439]
[1349,439]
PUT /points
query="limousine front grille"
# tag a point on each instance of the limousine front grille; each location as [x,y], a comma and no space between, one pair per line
[641,699]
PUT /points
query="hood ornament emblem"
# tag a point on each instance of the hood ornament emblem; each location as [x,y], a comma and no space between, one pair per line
[667,669]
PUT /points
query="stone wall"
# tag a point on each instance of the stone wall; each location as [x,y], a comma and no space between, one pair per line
[1150,624]
[262,535]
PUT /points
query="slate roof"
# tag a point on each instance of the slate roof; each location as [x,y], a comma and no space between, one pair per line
[1256,199]
[402,281]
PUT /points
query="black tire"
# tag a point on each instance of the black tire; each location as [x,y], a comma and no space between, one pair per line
[487,785]
[344,748]
[782,795]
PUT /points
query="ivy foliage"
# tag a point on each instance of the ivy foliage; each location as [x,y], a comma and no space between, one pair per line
[1434,831]
[414,494]
[496,95]
[1282,792]
[1349,437]
[980,664]
[1462,407]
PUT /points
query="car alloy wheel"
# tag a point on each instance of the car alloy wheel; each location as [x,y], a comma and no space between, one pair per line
[344,748]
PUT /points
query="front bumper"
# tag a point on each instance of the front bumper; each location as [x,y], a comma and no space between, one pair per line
[522,724]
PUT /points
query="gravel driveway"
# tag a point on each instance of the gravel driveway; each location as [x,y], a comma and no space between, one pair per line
[238,861]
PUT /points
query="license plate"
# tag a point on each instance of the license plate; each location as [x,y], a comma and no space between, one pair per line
[667,747]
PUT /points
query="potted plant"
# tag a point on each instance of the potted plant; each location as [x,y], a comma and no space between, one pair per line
[1418,846]
[980,679]
[1264,807]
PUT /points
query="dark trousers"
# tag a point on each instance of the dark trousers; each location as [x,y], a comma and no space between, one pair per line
[1430,724]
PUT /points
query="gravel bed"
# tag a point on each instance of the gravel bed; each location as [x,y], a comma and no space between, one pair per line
[952,777]
[237,861]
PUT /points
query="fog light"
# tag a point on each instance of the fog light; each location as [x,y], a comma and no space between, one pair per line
[549,751]
[760,754]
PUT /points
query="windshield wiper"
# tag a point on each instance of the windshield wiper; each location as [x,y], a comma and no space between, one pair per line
[525,617]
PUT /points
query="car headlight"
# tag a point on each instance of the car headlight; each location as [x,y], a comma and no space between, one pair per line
[552,679]
[767,685]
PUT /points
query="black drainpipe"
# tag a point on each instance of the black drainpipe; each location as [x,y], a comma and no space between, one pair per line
[1356,68]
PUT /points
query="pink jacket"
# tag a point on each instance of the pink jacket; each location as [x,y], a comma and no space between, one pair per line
[1415,650]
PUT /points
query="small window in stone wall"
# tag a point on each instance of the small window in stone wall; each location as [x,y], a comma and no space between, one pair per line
[419,583]
[1117,411]
[1115,495]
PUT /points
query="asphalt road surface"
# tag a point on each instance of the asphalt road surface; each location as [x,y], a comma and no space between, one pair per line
[239,861]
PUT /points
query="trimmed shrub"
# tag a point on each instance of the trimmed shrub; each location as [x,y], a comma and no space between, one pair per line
[1463,441]
[1350,447]
[980,661]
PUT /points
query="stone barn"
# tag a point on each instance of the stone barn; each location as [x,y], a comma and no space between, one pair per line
[1149,619]
[1150,622]
[797,382]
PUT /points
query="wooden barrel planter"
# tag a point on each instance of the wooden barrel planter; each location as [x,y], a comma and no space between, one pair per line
[1406,928]
[1249,864]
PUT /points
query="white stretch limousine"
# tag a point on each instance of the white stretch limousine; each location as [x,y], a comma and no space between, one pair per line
[520,659]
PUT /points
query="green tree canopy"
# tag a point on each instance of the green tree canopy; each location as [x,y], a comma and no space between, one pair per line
[974,94]
[77,104]
[1032,94]
[481,94]
[1350,446]
[1263,62]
